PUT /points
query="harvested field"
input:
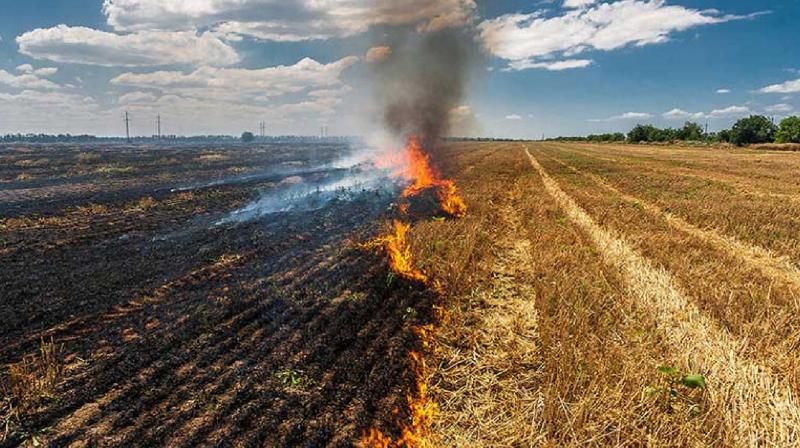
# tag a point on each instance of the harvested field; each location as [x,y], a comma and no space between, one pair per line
[566,308]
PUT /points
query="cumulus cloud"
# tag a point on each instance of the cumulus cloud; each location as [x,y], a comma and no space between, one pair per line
[225,99]
[528,39]
[27,80]
[679,114]
[624,117]
[32,111]
[286,21]
[137,98]
[577,3]
[786,87]
[44,71]
[723,91]
[81,45]
[514,117]
[779,108]
[731,111]
[566,64]
[241,84]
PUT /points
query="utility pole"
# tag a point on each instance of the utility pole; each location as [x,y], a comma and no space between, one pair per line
[158,120]
[127,127]
[263,128]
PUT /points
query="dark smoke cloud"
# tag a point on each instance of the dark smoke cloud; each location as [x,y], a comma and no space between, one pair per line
[423,81]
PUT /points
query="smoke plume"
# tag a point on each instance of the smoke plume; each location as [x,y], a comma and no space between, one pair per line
[423,81]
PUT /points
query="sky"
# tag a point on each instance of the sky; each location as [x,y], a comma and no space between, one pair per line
[542,67]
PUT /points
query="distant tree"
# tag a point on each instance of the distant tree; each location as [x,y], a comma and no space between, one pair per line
[248,137]
[789,131]
[690,132]
[663,135]
[724,136]
[642,133]
[753,129]
[615,137]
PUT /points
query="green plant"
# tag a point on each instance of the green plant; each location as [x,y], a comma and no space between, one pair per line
[248,137]
[294,378]
[789,131]
[678,390]
[753,129]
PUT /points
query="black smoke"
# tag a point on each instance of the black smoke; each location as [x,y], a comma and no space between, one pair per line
[423,81]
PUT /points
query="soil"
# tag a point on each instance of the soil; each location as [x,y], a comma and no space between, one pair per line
[176,331]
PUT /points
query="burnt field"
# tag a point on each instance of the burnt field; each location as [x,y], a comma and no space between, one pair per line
[200,296]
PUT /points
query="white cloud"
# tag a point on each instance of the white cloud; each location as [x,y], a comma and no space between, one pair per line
[32,111]
[604,27]
[44,71]
[280,20]
[549,65]
[237,84]
[225,99]
[779,108]
[679,114]
[723,91]
[137,98]
[623,117]
[82,45]
[786,87]
[731,111]
[26,81]
[514,117]
[577,3]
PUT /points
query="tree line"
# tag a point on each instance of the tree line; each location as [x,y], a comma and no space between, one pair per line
[754,129]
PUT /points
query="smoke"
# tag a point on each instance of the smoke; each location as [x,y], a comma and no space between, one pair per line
[422,82]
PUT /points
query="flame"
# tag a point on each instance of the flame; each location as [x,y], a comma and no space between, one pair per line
[399,252]
[422,409]
[415,166]
[419,170]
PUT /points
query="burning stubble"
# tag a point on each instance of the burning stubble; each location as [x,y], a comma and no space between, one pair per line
[419,87]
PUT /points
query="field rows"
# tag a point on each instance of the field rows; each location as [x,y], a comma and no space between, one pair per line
[578,272]
[626,270]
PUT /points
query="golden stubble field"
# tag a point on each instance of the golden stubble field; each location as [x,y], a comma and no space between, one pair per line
[588,280]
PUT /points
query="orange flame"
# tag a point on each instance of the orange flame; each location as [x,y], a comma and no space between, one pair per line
[399,252]
[422,409]
[424,176]
[417,168]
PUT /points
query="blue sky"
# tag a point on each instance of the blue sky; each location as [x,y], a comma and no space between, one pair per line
[546,67]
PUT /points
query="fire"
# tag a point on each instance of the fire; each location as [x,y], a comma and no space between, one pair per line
[424,176]
[399,252]
[415,167]
[422,409]
[418,168]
